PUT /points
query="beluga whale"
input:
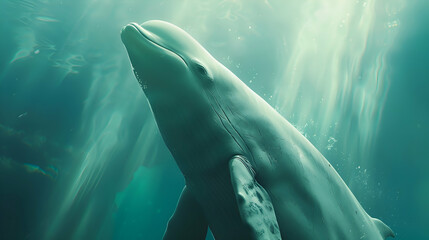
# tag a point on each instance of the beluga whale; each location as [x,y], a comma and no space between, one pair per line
[249,173]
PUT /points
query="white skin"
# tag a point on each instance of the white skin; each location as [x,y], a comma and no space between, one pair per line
[208,117]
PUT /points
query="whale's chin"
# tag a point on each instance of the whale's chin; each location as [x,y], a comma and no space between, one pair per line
[141,80]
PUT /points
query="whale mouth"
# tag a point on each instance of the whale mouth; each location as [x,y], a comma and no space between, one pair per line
[151,38]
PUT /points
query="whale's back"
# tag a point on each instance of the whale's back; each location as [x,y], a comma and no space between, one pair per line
[309,196]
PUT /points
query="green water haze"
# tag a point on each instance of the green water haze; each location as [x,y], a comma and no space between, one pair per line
[80,153]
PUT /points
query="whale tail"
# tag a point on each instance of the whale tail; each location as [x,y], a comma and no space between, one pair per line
[385,230]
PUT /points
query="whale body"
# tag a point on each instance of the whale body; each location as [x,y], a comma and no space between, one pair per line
[249,173]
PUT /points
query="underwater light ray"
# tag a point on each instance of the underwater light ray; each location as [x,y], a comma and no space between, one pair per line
[106,116]
[91,170]
[324,77]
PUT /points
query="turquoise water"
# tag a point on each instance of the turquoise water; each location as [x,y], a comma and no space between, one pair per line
[80,155]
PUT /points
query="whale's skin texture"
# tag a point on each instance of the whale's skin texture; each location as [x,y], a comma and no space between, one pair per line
[208,117]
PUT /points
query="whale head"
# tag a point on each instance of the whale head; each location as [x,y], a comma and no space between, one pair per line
[179,78]
[168,63]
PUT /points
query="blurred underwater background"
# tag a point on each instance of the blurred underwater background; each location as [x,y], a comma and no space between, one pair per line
[80,153]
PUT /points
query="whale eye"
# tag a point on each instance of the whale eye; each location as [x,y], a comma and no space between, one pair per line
[200,69]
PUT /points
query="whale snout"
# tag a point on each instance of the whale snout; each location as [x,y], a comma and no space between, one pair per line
[127,29]
[134,31]
[155,55]
[164,58]
[133,35]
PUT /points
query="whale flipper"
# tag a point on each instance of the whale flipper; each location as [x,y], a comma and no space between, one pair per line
[188,221]
[385,231]
[254,203]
